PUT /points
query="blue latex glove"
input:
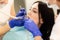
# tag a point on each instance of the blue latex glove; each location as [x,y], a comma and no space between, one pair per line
[22,12]
[32,27]
[15,22]
[18,22]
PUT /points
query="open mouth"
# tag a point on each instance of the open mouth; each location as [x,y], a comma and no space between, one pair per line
[27,16]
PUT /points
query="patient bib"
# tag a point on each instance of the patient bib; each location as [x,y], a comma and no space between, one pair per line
[18,33]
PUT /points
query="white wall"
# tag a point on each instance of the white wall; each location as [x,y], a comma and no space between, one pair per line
[30,2]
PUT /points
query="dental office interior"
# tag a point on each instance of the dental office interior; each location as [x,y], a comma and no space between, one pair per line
[26,4]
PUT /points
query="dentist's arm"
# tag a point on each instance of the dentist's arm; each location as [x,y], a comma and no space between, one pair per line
[4,29]
[12,23]
[13,10]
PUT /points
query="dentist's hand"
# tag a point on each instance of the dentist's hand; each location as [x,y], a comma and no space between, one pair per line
[32,27]
[22,12]
[18,22]
[15,22]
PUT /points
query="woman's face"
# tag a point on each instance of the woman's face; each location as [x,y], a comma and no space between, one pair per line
[33,14]
[3,1]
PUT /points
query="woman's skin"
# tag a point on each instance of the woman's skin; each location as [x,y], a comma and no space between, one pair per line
[33,14]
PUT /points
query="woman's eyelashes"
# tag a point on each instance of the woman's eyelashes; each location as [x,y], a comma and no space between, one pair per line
[34,11]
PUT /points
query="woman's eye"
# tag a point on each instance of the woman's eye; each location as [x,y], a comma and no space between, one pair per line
[34,11]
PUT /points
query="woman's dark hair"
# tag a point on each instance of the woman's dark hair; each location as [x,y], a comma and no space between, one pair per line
[47,15]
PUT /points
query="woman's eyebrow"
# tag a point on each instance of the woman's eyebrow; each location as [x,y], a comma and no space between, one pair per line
[35,8]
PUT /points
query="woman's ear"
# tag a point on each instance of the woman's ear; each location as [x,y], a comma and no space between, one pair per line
[41,21]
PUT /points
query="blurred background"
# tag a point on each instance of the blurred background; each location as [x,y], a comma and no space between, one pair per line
[24,3]
[27,3]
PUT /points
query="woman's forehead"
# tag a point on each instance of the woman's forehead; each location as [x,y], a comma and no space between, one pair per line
[35,6]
